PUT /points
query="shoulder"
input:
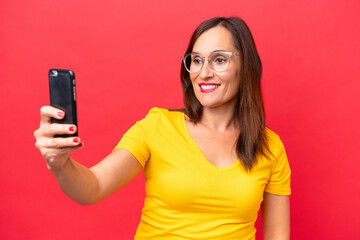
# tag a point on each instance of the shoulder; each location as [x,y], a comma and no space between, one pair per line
[157,110]
[271,135]
[273,140]
[158,116]
[157,113]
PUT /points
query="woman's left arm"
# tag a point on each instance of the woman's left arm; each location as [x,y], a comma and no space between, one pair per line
[275,212]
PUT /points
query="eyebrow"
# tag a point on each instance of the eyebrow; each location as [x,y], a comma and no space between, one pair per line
[215,51]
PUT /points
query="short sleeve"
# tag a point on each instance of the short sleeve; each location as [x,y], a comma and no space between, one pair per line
[279,181]
[137,139]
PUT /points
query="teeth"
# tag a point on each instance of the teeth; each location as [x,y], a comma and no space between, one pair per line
[206,87]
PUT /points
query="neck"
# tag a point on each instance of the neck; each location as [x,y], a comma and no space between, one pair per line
[220,119]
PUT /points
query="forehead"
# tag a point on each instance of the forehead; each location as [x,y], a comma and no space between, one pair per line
[216,38]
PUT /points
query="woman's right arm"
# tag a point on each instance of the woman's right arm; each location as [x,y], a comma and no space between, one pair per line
[85,186]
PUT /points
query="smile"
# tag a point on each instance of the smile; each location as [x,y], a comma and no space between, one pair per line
[205,88]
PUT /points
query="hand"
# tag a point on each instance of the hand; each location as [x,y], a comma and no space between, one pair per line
[55,150]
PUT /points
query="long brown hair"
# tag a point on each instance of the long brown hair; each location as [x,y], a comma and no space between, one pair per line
[249,109]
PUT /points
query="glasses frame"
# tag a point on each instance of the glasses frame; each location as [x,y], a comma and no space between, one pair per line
[230,54]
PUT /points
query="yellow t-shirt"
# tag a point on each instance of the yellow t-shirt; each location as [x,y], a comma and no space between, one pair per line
[187,197]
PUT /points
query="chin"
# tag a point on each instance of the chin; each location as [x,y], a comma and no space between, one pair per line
[210,104]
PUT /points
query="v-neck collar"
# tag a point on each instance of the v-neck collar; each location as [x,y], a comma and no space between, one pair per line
[199,152]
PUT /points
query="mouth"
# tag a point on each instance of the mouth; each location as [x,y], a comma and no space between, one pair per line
[208,87]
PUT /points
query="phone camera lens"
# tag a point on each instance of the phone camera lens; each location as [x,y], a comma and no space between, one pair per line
[54,73]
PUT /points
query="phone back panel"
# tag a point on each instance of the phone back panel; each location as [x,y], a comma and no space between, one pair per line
[63,95]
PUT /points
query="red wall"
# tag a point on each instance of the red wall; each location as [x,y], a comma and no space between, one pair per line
[310,52]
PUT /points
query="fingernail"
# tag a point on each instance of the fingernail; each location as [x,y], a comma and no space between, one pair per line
[72,128]
[80,144]
[76,140]
[60,114]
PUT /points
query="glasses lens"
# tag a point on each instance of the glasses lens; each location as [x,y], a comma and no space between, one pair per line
[193,63]
[219,61]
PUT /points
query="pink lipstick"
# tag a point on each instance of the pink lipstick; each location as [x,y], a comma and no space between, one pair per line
[208,87]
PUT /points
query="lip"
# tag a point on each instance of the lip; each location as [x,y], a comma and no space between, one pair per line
[210,89]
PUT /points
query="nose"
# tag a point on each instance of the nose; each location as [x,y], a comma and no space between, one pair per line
[206,70]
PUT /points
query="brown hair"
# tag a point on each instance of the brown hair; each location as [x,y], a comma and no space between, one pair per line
[249,109]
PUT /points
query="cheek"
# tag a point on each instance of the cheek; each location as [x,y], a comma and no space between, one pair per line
[193,81]
[232,84]
[193,77]
[231,79]
[236,78]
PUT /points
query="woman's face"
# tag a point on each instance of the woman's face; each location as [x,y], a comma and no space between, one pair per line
[216,89]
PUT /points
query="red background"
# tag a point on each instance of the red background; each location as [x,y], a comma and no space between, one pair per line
[126,57]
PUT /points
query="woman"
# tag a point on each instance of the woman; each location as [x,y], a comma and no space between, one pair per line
[208,167]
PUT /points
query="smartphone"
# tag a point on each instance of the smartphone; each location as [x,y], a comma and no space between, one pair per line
[63,96]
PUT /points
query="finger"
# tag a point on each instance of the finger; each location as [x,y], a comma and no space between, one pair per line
[61,151]
[50,130]
[59,143]
[50,154]
[48,112]
[71,149]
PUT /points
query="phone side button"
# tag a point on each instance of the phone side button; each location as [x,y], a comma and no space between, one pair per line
[74,93]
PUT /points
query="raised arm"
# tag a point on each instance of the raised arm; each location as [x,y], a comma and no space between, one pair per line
[275,212]
[85,186]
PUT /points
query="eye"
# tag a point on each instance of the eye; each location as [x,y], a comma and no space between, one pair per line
[197,60]
[219,60]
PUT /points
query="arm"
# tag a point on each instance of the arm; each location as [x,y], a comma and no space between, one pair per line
[85,186]
[89,186]
[275,212]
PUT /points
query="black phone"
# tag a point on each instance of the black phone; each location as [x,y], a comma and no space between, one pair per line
[63,96]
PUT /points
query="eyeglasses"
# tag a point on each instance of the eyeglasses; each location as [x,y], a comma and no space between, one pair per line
[219,61]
